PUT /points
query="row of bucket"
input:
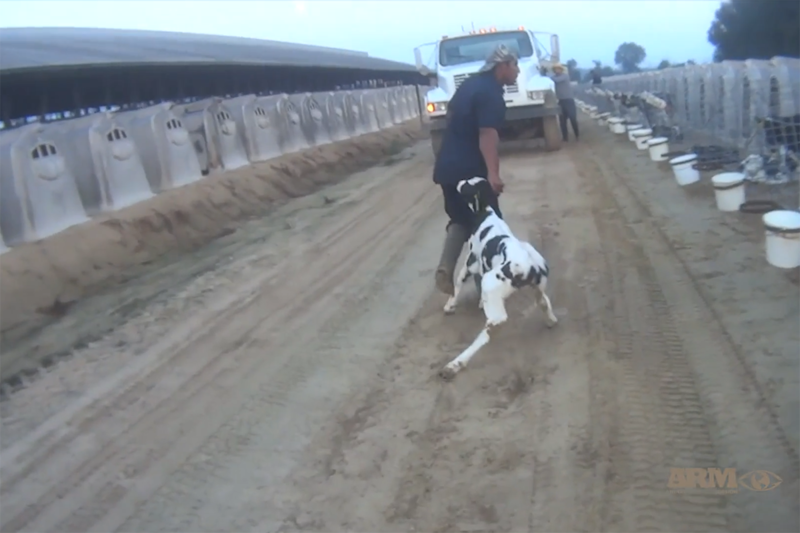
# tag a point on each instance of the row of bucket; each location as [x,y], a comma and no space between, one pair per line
[58,174]
[725,100]
[782,227]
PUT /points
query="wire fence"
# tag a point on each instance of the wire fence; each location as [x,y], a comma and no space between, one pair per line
[741,116]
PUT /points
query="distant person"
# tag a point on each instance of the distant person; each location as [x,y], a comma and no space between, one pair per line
[597,79]
[566,101]
[475,115]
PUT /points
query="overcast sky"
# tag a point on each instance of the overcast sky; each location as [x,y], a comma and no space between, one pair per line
[667,29]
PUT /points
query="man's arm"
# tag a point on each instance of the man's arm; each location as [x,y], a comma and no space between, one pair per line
[490,110]
[489,141]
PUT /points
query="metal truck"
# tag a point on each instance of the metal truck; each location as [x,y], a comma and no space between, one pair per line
[531,106]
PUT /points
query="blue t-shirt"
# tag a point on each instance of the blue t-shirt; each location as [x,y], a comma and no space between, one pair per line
[478,103]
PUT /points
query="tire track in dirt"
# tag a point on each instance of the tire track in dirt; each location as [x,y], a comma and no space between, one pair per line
[199,388]
[287,234]
[658,428]
[126,397]
[571,431]
[229,458]
[98,255]
[394,206]
[711,415]
[170,283]
[334,229]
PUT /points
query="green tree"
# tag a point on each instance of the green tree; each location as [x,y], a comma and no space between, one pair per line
[664,64]
[756,29]
[628,56]
[572,68]
[605,71]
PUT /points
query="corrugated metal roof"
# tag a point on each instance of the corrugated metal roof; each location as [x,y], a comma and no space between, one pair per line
[43,48]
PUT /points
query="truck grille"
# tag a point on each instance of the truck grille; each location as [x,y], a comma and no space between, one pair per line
[459,79]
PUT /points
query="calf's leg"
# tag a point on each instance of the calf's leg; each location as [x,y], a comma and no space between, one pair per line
[493,298]
[544,304]
[463,276]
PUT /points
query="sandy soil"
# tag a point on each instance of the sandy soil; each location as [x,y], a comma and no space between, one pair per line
[293,385]
[40,281]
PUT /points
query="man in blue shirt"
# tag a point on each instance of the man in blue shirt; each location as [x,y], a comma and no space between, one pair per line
[469,149]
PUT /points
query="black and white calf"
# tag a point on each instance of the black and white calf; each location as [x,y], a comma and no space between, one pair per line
[503,263]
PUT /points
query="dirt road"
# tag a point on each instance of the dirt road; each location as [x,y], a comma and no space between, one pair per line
[294,386]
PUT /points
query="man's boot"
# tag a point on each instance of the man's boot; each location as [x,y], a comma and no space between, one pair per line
[456,237]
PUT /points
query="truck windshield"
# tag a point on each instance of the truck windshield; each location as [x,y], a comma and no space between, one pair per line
[479,47]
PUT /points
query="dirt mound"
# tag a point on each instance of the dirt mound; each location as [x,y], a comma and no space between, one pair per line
[44,276]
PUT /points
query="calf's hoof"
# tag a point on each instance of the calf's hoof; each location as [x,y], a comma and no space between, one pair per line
[449,372]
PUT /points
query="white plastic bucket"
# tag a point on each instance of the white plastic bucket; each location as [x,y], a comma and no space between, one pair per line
[632,127]
[602,117]
[640,137]
[729,190]
[658,147]
[783,238]
[617,126]
[682,168]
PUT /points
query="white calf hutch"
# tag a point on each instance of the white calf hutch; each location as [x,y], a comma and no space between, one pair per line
[104,160]
[168,157]
[38,192]
[368,103]
[292,136]
[312,119]
[334,119]
[215,137]
[382,112]
[394,98]
[258,120]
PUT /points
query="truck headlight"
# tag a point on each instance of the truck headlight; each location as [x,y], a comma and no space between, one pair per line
[437,107]
[535,95]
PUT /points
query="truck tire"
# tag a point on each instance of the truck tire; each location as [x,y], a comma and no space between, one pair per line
[436,142]
[552,134]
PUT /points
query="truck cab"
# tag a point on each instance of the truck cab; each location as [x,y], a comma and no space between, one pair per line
[531,107]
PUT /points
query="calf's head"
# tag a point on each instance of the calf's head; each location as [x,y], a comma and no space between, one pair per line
[476,192]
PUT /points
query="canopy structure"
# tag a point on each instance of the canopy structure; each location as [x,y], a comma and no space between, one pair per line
[51,70]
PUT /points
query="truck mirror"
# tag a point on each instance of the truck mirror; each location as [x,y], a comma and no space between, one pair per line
[418,59]
[555,52]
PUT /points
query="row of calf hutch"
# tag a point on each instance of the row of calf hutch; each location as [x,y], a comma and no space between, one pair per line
[726,100]
[58,174]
